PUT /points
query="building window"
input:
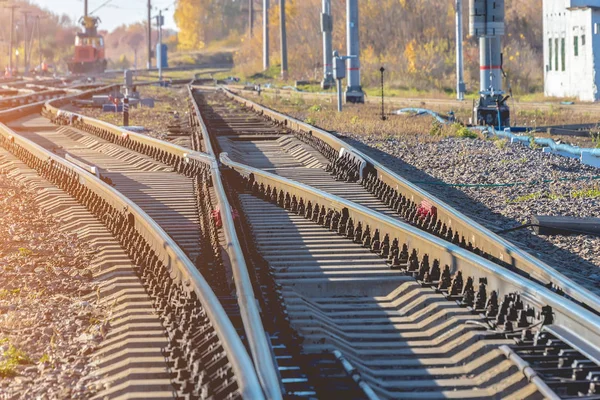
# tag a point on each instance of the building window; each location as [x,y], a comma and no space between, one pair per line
[582,40]
[556,54]
[549,54]
[562,52]
[576,45]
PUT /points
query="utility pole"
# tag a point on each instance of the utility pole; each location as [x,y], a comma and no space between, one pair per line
[149,34]
[25,34]
[85,8]
[327,29]
[284,55]
[460,83]
[38,22]
[265,34]
[250,16]
[159,55]
[10,43]
[354,92]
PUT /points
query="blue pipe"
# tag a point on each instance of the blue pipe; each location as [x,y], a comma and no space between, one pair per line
[421,111]
[588,156]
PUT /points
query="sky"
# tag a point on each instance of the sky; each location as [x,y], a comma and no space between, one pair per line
[115,13]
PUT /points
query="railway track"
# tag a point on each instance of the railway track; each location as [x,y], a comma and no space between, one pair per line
[313,286]
[376,296]
[200,354]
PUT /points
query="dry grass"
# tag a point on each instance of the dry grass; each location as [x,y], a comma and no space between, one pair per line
[362,119]
[168,103]
[366,119]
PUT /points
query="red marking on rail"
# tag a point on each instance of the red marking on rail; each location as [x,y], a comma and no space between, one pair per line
[216,215]
[425,209]
[353,69]
[486,68]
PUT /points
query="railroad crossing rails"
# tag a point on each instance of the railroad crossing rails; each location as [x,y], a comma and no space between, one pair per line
[328,283]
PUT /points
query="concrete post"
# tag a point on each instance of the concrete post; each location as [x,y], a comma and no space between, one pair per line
[327,29]
[283,35]
[266,34]
[354,93]
[460,83]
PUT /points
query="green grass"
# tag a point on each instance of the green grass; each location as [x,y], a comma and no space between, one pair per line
[310,121]
[5,293]
[11,358]
[590,193]
[526,197]
[464,132]
[23,252]
[501,143]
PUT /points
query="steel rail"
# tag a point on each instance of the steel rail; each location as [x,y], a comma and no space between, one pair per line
[173,258]
[11,114]
[478,235]
[259,344]
[570,316]
[258,341]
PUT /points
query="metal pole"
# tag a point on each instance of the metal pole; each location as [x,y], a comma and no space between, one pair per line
[284,55]
[265,34]
[10,45]
[340,96]
[250,16]
[125,111]
[159,57]
[85,8]
[327,28]
[460,85]
[383,117]
[354,93]
[39,40]
[25,52]
[149,34]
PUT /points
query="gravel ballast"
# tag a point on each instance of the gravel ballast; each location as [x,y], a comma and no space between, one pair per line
[50,323]
[517,182]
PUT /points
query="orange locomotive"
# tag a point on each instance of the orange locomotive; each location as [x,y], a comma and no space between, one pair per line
[89,48]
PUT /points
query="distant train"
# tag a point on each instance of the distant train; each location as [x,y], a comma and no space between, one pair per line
[89,54]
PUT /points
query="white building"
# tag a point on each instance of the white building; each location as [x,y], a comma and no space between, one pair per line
[572,48]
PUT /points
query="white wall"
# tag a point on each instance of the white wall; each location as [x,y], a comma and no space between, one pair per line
[579,77]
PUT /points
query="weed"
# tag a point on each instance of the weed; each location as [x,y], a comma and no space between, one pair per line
[463,132]
[526,197]
[555,196]
[501,143]
[315,108]
[11,358]
[298,100]
[310,121]
[354,120]
[4,293]
[590,193]
[23,252]
[44,358]
[436,128]
[533,145]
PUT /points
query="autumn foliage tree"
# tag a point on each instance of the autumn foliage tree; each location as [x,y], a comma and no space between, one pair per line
[204,21]
[413,39]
